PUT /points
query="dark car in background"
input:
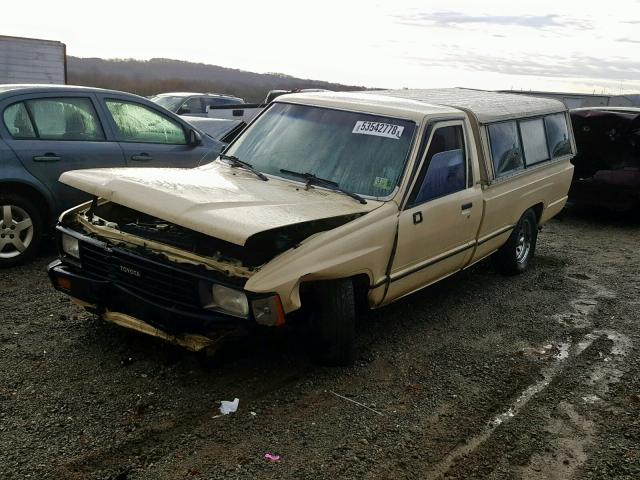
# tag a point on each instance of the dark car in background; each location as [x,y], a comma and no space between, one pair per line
[607,165]
[46,130]
[197,104]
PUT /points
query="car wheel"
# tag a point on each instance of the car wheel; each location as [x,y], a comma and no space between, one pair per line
[20,230]
[333,322]
[515,255]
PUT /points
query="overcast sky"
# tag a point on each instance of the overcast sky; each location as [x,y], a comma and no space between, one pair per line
[542,45]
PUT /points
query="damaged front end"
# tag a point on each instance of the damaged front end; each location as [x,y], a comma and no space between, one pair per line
[166,280]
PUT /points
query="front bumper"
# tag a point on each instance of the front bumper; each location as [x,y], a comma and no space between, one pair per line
[103,296]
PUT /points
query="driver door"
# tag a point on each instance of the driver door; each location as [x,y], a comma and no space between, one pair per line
[439,223]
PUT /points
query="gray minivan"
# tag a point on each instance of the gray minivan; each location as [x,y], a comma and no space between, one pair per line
[46,130]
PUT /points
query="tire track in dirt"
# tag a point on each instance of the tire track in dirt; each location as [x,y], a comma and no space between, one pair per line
[566,358]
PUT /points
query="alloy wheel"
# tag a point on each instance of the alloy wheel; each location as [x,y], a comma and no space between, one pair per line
[523,245]
[16,231]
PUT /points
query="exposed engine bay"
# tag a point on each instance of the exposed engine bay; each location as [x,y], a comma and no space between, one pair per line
[120,224]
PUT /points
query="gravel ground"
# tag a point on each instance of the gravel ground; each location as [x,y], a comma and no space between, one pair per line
[480,376]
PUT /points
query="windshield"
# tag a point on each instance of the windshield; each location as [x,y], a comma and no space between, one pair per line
[170,103]
[362,153]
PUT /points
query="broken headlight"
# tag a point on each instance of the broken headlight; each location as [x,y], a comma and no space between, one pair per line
[226,300]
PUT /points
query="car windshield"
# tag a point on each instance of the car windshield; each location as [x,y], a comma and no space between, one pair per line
[171,103]
[362,153]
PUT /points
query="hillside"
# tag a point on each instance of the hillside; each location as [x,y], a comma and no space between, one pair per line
[148,77]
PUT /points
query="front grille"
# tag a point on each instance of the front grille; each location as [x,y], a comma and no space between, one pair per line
[151,279]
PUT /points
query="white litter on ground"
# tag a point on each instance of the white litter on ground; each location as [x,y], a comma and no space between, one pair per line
[227,407]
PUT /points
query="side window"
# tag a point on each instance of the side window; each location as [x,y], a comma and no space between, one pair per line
[230,101]
[212,102]
[557,135]
[444,168]
[17,121]
[65,119]
[193,105]
[505,147]
[534,142]
[137,123]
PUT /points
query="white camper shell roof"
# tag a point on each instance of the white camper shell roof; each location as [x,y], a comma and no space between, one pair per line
[485,106]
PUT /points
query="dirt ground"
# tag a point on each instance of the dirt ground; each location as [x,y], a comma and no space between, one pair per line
[480,376]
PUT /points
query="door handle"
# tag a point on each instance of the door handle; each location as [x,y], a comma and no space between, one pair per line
[417,218]
[47,157]
[466,206]
[143,157]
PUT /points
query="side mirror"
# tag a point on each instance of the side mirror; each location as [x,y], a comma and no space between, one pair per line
[184,109]
[195,138]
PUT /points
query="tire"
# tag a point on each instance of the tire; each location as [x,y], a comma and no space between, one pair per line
[333,322]
[21,228]
[515,255]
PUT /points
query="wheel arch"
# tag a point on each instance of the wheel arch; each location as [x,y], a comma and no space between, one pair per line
[538,209]
[361,284]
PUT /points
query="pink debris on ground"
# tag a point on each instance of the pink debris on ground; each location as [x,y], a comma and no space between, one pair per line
[271,457]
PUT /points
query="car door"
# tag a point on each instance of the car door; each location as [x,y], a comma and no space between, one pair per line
[150,138]
[54,133]
[438,225]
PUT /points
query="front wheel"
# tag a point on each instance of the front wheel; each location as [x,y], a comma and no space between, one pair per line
[20,229]
[333,322]
[515,255]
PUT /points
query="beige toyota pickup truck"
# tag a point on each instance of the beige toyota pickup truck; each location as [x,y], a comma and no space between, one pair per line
[326,202]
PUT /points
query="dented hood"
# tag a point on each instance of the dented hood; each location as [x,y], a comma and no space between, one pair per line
[224,202]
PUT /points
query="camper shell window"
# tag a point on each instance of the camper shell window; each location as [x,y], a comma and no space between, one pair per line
[525,142]
[534,142]
[505,147]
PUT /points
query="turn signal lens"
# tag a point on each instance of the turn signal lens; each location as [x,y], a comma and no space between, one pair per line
[63,283]
[268,311]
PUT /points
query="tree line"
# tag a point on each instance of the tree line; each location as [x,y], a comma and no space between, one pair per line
[149,77]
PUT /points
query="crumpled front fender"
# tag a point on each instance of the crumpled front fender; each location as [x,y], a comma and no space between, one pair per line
[362,246]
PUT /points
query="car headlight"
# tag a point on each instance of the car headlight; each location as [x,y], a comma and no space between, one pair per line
[71,246]
[227,300]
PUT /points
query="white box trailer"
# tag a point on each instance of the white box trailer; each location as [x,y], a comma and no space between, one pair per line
[30,60]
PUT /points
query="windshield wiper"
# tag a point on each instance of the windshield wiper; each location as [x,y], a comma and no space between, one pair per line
[311,179]
[236,162]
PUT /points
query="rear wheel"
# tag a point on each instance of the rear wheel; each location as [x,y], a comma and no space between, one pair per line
[20,229]
[515,255]
[333,322]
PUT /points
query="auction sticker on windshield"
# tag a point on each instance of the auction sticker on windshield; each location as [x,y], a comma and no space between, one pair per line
[378,129]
